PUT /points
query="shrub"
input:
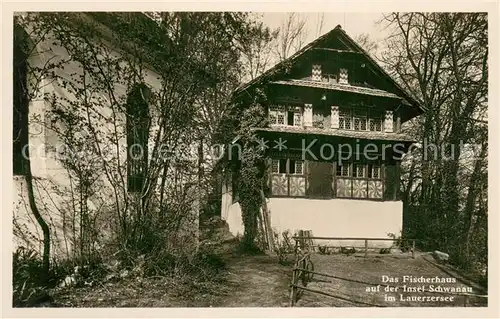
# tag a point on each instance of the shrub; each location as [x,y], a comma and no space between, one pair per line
[28,289]
[282,247]
[323,250]
[400,242]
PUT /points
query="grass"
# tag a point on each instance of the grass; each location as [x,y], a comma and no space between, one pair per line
[259,281]
[250,281]
[355,273]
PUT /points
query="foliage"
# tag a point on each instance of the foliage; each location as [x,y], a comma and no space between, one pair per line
[93,61]
[324,250]
[283,247]
[26,271]
[441,58]
[251,165]
[400,242]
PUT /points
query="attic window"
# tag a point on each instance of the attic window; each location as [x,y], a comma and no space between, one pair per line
[316,72]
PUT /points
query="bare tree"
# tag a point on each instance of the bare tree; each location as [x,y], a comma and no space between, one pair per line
[367,43]
[257,53]
[320,25]
[291,36]
[442,60]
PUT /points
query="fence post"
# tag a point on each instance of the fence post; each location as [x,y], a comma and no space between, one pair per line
[413,249]
[292,292]
[366,248]
[301,240]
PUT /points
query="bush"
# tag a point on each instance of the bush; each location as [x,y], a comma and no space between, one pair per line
[283,247]
[247,248]
[324,250]
[81,271]
[28,288]
[202,264]
[400,243]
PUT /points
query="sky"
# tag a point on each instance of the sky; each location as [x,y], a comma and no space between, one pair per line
[353,23]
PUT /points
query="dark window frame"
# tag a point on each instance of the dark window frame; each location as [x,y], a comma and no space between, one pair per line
[348,115]
[138,125]
[20,132]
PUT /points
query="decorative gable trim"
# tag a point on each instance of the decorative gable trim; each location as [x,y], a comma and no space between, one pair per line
[389,121]
[335,117]
[343,76]
[316,72]
[308,115]
[352,47]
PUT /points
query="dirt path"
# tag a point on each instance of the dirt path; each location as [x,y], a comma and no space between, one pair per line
[256,281]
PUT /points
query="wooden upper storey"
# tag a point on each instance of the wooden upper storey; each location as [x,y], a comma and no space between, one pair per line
[333,87]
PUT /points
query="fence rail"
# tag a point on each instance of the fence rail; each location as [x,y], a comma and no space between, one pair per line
[300,271]
[302,240]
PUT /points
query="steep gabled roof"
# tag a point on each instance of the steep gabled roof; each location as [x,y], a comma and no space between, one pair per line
[342,36]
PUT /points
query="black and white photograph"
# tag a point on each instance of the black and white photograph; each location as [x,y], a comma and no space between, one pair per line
[246,159]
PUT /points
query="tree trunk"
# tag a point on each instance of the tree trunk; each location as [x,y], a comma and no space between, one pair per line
[41,222]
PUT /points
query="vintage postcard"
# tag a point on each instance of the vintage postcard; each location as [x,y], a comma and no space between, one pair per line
[271,160]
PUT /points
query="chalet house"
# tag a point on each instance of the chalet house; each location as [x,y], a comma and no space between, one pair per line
[129,120]
[334,143]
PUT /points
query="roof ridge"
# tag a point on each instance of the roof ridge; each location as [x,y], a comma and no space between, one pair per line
[338,28]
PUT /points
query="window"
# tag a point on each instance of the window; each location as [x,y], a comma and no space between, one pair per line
[376,124]
[371,171]
[289,117]
[360,120]
[273,117]
[281,115]
[295,167]
[345,119]
[287,166]
[358,180]
[137,137]
[288,178]
[277,115]
[282,166]
[374,171]
[359,171]
[281,118]
[275,166]
[297,117]
[343,170]
[375,121]
[21,103]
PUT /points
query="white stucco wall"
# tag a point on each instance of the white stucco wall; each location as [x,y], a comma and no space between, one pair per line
[52,182]
[327,218]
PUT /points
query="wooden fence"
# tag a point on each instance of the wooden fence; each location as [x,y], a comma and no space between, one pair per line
[306,241]
[303,270]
